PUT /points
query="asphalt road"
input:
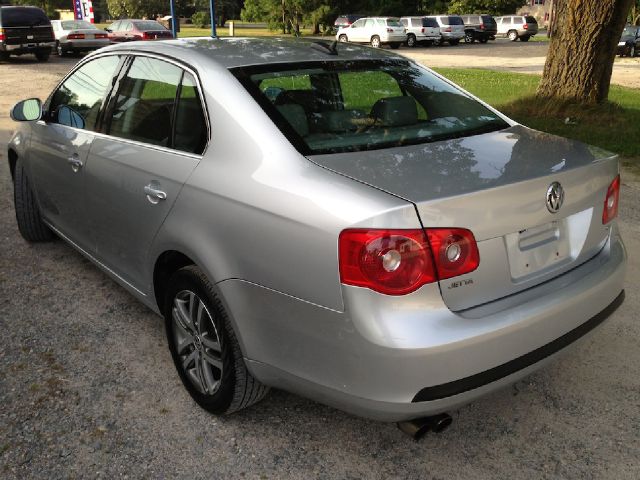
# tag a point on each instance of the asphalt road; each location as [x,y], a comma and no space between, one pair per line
[88,389]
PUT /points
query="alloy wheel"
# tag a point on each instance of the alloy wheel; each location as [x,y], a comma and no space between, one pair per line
[197,342]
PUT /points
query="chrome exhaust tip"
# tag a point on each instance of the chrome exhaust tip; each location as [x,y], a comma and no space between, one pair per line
[418,427]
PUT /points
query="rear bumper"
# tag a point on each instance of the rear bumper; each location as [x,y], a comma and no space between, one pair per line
[26,48]
[84,45]
[392,358]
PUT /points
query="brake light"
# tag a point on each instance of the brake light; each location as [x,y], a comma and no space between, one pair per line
[75,36]
[610,210]
[482,26]
[448,29]
[422,30]
[398,262]
[1,35]
[100,35]
[526,26]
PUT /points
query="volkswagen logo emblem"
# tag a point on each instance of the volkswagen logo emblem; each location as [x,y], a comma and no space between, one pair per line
[555,197]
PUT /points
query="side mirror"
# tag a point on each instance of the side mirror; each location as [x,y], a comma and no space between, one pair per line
[108,30]
[27,110]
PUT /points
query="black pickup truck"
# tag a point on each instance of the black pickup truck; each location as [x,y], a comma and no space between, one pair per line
[25,30]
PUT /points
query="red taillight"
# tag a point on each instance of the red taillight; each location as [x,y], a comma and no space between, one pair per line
[610,210]
[422,30]
[526,26]
[100,35]
[397,262]
[1,35]
[389,30]
[482,26]
[75,36]
[448,29]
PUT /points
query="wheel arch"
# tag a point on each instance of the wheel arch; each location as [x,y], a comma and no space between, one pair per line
[167,263]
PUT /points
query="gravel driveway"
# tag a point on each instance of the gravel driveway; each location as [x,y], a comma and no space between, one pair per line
[88,389]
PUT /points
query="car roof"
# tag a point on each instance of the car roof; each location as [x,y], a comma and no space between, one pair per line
[240,51]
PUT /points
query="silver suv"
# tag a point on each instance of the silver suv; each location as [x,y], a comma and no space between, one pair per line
[516,27]
[341,223]
[421,30]
[451,28]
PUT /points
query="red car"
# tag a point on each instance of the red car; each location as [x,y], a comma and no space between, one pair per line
[128,30]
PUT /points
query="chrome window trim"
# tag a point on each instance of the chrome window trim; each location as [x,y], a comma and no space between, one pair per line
[141,53]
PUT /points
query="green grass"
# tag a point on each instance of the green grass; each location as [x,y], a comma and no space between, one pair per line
[612,126]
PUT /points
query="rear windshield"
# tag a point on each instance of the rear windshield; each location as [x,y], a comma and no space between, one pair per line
[347,106]
[452,20]
[23,16]
[150,25]
[530,20]
[393,22]
[429,22]
[77,25]
[488,19]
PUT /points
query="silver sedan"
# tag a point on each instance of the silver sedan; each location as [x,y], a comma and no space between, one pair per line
[333,220]
[75,36]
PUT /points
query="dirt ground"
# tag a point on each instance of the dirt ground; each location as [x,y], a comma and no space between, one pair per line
[88,389]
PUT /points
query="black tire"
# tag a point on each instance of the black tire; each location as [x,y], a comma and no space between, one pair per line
[4,57]
[411,40]
[375,42]
[525,39]
[483,40]
[43,56]
[395,45]
[237,389]
[469,37]
[343,38]
[512,35]
[28,217]
[59,50]
[632,51]
[454,42]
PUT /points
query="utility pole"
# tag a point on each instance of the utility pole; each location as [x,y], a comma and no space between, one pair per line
[212,11]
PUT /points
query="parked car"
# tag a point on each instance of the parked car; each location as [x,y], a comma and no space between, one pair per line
[342,223]
[376,31]
[129,30]
[516,27]
[346,20]
[451,28]
[421,30]
[75,36]
[25,30]
[629,43]
[479,27]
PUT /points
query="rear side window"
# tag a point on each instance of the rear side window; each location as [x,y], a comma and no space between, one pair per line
[488,19]
[143,109]
[158,103]
[78,100]
[191,128]
[23,16]
[393,22]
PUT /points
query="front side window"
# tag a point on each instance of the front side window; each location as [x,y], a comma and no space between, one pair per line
[78,100]
[365,105]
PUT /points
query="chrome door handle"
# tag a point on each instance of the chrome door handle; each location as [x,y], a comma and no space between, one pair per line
[75,162]
[154,194]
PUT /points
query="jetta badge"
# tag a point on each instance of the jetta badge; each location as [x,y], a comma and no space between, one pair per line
[555,197]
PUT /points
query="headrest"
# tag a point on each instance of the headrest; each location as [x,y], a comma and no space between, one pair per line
[294,114]
[342,120]
[395,111]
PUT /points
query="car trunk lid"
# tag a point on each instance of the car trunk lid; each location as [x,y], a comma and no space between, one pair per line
[496,185]
[25,25]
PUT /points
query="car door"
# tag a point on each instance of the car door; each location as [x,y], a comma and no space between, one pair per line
[156,132]
[356,31]
[61,141]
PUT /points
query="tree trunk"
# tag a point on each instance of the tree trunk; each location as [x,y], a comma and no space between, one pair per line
[582,49]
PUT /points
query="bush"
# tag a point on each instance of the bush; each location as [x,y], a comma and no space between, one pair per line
[201,19]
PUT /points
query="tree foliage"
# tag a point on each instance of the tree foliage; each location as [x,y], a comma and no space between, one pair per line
[137,8]
[493,7]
